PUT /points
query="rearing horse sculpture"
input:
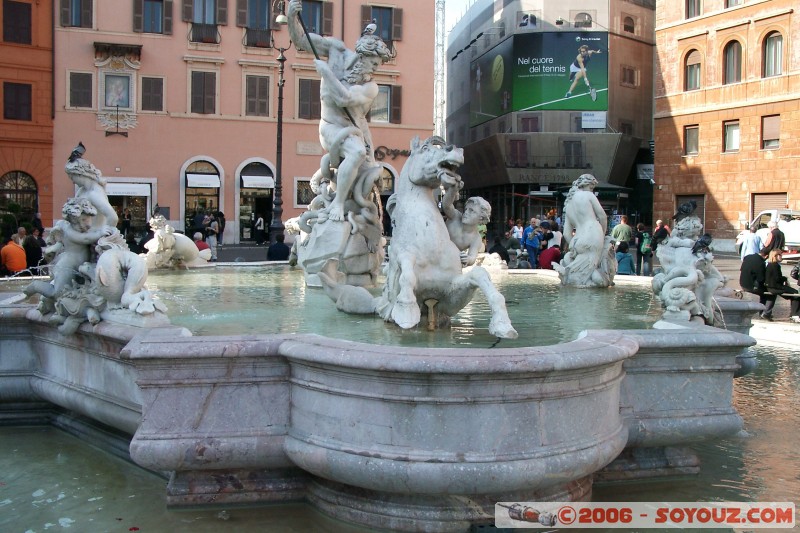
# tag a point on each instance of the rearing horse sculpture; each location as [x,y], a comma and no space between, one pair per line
[424,275]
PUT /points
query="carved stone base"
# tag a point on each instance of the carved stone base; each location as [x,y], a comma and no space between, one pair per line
[406,512]
[644,463]
[233,487]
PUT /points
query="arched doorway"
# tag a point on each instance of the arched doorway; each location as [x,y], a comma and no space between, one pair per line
[202,194]
[256,185]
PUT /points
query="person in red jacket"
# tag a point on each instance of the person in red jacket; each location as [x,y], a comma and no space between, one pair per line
[548,256]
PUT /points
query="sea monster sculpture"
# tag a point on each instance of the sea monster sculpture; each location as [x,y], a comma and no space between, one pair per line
[590,260]
[689,279]
[168,249]
[424,275]
[93,272]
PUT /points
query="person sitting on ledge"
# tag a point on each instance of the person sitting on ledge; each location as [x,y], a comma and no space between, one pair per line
[278,251]
[625,264]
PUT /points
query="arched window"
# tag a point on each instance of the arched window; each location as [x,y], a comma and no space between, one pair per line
[629,25]
[20,188]
[732,60]
[691,71]
[583,20]
[773,55]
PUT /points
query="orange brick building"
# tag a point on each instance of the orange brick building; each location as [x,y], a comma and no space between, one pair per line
[26,125]
[727,110]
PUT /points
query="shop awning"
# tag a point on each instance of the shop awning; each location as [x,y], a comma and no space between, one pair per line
[202,180]
[258,182]
[128,189]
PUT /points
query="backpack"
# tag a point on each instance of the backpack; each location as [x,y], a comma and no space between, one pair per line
[646,246]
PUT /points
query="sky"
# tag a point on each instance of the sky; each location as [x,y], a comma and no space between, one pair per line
[453,11]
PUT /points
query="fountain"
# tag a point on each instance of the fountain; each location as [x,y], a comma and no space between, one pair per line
[387,436]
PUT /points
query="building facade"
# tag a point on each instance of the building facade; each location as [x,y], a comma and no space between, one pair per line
[727,110]
[26,126]
[539,93]
[177,102]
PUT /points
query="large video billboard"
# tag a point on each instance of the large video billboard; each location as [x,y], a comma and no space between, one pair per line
[541,72]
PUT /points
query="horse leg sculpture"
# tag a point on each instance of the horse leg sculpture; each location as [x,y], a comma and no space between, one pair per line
[462,288]
[405,311]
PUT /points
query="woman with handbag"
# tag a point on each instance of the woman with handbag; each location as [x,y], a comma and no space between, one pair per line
[753,280]
[778,285]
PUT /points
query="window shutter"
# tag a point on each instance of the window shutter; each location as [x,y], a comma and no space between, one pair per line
[771,127]
[366,15]
[222,12]
[210,88]
[167,17]
[86,14]
[251,95]
[397,104]
[397,24]
[197,92]
[187,11]
[138,15]
[241,13]
[304,105]
[327,18]
[64,13]
[263,96]
[316,111]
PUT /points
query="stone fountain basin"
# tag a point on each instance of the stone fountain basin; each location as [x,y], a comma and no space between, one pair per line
[257,418]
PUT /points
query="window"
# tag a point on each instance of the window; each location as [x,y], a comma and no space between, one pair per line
[773,55]
[80,89]
[204,16]
[387,105]
[629,25]
[19,187]
[17,101]
[204,88]
[255,17]
[16,22]
[318,17]
[152,16]
[583,20]
[389,21]
[518,153]
[529,124]
[152,94]
[257,97]
[629,76]
[732,59]
[770,132]
[691,81]
[573,154]
[309,104]
[76,13]
[733,3]
[694,8]
[691,140]
[731,136]
[202,179]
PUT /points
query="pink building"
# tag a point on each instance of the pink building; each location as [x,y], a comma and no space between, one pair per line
[177,105]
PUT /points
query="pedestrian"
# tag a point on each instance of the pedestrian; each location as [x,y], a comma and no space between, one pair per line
[643,250]
[499,249]
[778,285]
[278,251]
[622,232]
[126,222]
[532,243]
[752,243]
[776,240]
[221,221]
[12,257]
[211,235]
[33,253]
[259,227]
[550,255]
[752,279]
[625,264]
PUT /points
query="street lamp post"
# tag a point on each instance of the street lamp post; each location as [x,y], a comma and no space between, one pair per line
[276,226]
